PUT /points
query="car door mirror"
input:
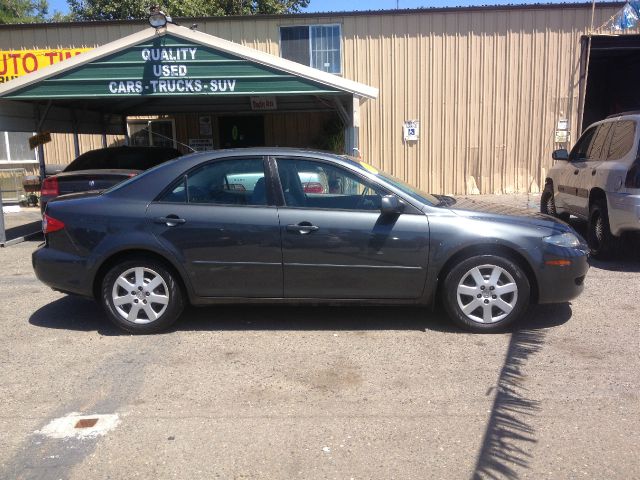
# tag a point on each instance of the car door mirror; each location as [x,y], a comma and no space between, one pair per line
[561,154]
[391,205]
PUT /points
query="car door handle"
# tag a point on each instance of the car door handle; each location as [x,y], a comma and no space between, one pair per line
[303,228]
[576,171]
[170,220]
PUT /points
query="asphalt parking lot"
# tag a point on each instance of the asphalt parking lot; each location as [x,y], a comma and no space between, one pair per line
[298,392]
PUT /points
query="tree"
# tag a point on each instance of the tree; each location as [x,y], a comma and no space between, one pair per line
[135,9]
[23,11]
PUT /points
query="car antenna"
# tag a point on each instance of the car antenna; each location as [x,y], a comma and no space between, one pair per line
[168,138]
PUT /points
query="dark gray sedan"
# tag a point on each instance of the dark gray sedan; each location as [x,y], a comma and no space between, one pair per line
[292,226]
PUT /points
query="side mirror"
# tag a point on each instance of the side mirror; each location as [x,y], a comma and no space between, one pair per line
[391,205]
[561,154]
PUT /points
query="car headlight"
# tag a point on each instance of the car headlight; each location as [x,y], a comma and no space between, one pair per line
[566,239]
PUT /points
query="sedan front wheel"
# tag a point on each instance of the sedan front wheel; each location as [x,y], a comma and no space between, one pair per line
[486,293]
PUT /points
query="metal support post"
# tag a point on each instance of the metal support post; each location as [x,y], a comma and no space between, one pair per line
[3,233]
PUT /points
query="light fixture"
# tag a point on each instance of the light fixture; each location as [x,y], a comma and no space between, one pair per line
[157,18]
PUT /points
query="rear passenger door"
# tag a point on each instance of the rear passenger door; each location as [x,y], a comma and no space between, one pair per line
[220,221]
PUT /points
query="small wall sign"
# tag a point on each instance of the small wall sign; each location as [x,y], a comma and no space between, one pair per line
[205,125]
[39,139]
[201,144]
[411,130]
[264,103]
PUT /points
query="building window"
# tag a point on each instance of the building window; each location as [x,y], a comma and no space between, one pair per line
[14,148]
[152,133]
[317,46]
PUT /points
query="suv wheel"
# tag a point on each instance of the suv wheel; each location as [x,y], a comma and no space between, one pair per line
[486,293]
[141,296]
[599,237]
[548,202]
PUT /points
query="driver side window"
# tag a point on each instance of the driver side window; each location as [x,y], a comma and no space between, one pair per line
[580,149]
[313,184]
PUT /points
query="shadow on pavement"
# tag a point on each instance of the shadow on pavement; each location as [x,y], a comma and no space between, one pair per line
[627,253]
[77,313]
[509,432]
[31,230]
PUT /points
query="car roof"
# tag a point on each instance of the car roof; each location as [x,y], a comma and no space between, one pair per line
[631,113]
[616,117]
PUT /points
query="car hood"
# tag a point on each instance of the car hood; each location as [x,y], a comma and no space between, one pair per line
[466,207]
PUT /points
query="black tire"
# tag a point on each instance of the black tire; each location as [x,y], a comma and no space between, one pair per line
[601,241]
[548,202]
[460,275]
[167,291]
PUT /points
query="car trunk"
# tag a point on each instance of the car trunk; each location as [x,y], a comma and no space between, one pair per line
[84,180]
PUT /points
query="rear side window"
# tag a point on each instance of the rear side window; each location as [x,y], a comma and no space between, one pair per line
[622,137]
[229,182]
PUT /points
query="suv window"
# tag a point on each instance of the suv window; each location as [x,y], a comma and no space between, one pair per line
[580,149]
[227,182]
[597,149]
[312,184]
[623,133]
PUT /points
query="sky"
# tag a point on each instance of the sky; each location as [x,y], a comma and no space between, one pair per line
[339,5]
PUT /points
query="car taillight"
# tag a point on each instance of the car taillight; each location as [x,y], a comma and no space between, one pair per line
[313,187]
[50,224]
[50,187]
[633,176]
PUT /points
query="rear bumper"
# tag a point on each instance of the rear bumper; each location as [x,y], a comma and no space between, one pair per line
[557,284]
[624,212]
[62,271]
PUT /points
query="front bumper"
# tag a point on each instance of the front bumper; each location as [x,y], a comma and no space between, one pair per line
[561,283]
[62,271]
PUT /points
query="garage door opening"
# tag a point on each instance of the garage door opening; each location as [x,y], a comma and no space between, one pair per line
[612,78]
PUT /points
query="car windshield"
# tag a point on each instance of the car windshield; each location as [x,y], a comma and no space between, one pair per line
[413,192]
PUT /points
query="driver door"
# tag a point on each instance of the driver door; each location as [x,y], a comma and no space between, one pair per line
[336,243]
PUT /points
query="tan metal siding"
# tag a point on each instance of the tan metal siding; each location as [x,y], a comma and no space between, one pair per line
[487,85]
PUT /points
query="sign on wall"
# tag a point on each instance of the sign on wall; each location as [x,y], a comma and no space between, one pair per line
[264,103]
[201,144]
[411,130]
[205,125]
[15,63]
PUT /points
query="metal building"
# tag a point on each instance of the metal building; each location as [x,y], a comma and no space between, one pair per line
[491,90]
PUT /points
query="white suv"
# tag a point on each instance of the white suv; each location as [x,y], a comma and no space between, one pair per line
[599,181]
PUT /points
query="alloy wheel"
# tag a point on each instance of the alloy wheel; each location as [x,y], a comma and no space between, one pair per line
[140,295]
[487,294]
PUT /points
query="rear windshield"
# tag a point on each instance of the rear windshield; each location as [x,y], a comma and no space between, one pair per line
[126,158]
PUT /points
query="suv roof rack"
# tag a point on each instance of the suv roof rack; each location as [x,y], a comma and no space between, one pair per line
[620,114]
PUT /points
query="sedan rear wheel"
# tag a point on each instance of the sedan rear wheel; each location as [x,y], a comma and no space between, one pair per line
[141,296]
[486,293]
